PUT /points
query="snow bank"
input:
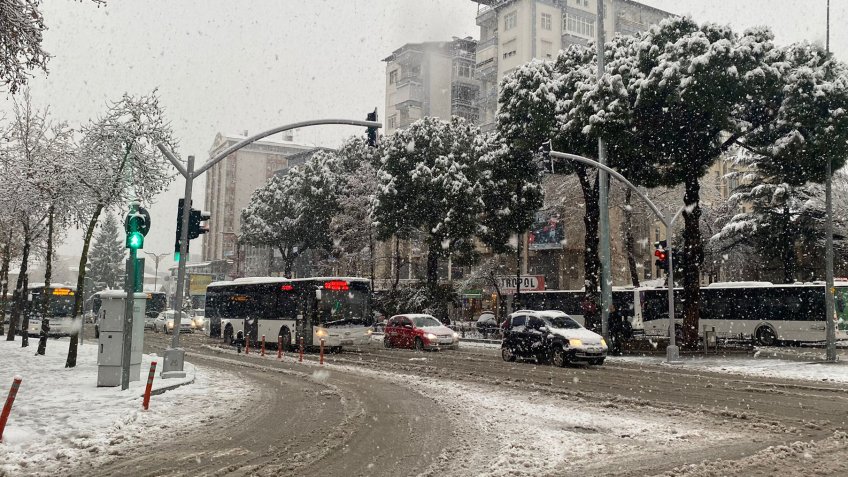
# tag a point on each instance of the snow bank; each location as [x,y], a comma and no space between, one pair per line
[61,419]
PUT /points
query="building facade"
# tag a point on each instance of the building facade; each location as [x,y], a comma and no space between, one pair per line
[431,79]
[231,182]
[513,32]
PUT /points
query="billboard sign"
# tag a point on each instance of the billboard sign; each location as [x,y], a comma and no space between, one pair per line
[547,232]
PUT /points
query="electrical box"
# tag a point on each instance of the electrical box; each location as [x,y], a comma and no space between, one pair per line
[110,345]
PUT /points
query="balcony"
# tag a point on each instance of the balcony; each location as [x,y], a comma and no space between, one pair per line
[409,92]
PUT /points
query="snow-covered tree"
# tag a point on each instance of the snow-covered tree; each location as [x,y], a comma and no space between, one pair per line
[353,231]
[21,33]
[428,183]
[117,161]
[292,212]
[799,124]
[510,173]
[35,179]
[106,261]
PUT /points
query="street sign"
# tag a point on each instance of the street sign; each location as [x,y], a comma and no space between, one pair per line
[508,284]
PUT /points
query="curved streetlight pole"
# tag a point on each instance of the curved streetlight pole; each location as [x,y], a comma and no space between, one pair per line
[156,258]
[174,357]
[672,351]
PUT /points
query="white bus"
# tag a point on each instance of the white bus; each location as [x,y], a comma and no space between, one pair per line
[335,309]
[61,308]
[768,313]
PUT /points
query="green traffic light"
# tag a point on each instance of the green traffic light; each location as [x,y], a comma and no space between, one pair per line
[135,240]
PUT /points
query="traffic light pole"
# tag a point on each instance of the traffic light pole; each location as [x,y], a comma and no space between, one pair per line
[174,356]
[672,351]
[129,288]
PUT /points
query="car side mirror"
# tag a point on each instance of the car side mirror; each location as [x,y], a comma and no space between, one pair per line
[407,326]
[544,329]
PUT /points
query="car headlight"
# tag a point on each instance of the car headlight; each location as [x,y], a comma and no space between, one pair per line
[369,331]
[170,324]
[321,332]
[603,343]
[575,343]
[431,336]
[455,335]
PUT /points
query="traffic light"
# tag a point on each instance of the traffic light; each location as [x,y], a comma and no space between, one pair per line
[371,132]
[195,229]
[179,231]
[662,253]
[136,226]
[547,162]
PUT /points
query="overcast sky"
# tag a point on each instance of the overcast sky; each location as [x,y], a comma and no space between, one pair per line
[225,66]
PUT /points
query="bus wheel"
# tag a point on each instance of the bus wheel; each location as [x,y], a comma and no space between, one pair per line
[765,336]
[228,335]
[286,334]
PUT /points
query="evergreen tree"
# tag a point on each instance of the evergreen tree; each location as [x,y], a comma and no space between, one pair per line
[106,260]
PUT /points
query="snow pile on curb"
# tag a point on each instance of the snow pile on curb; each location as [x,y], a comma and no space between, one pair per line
[61,419]
[758,367]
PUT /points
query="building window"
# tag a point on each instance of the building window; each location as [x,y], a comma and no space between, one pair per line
[510,21]
[578,25]
[546,21]
[393,121]
[547,49]
[393,75]
[463,70]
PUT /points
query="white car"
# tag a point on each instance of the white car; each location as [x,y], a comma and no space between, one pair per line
[165,322]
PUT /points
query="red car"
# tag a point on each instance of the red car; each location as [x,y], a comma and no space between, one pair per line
[419,332]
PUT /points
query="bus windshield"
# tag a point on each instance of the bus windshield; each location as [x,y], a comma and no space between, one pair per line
[61,302]
[344,307]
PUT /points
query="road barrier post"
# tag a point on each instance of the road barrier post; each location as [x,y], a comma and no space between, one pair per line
[280,347]
[300,360]
[246,343]
[7,408]
[262,353]
[321,360]
[149,387]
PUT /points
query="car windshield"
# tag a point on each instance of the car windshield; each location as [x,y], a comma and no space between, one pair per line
[562,322]
[424,321]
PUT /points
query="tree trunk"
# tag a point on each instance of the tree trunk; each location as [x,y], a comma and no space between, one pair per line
[89,232]
[516,304]
[432,267]
[591,259]
[4,280]
[19,297]
[693,255]
[288,263]
[628,238]
[787,243]
[48,274]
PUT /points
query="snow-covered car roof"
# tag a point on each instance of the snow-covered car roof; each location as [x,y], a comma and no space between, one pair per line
[415,315]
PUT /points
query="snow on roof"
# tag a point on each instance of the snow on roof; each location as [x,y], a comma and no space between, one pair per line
[260,280]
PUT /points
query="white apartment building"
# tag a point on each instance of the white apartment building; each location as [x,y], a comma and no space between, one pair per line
[230,183]
[431,79]
[512,32]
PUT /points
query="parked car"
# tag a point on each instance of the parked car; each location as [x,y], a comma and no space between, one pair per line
[149,322]
[487,324]
[550,336]
[420,332]
[199,319]
[164,322]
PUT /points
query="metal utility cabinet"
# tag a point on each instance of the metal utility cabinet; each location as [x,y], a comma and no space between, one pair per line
[110,319]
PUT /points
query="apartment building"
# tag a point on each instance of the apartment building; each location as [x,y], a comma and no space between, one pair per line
[513,32]
[230,183]
[431,79]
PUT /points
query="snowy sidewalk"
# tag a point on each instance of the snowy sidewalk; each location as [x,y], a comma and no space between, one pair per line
[61,418]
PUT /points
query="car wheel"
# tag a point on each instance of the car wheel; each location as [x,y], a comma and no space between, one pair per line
[228,335]
[765,336]
[419,344]
[597,362]
[386,342]
[154,329]
[558,357]
[507,354]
